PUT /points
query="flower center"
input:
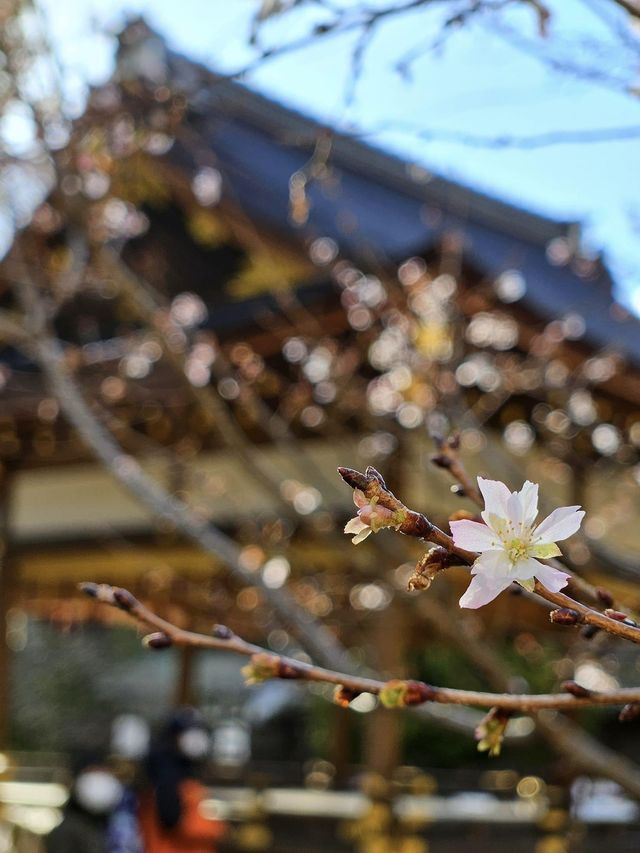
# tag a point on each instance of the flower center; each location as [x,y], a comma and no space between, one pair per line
[517,549]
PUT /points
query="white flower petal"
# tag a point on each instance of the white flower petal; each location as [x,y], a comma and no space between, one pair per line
[515,513]
[551,578]
[528,495]
[495,495]
[562,522]
[360,537]
[355,525]
[482,590]
[492,564]
[496,522]
[525,569]
[472,536]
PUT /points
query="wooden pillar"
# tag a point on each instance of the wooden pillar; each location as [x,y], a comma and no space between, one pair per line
[340,752]
[383,729]
[6,597]
[184,689]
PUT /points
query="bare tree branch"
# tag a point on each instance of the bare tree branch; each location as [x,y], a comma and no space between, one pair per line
[49,356]
[579,748]
[416,693]
[588,136]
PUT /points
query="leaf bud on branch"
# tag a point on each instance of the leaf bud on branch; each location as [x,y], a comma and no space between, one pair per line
[604,596]
[343,696]
[428,566]
[629,712]
[577,690]
[619,617]
[402,694]
[157,640]
[124,599]
[565,616]
[221,632]
[263,666]
[491,730]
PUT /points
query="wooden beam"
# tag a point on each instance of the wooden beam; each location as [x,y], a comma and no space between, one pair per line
[6,598]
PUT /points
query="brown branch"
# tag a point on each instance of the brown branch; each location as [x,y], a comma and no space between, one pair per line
[448,457]
[49,355]
[610,621]
[315,638]
[279,666]
[579,749]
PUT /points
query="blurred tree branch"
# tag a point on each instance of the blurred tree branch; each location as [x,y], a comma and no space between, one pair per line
[273,665]
[366,22]
[47,351]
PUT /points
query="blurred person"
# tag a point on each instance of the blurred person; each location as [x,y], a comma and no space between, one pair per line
[129,749]
[170,816]
[94,795]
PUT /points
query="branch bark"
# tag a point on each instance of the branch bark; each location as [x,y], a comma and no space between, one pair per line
[580,750]
[280,666]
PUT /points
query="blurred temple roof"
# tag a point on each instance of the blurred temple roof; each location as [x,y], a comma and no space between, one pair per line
[374,205]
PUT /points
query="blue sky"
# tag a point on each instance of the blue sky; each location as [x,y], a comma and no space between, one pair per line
[475,82]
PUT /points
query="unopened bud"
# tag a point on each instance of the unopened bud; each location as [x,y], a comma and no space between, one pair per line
[629,712]
[615,614]
[124,599]
[441,460]
[221,632]
[604,596]
[565,616]
[353,478]
[372,474]
[576,689]
[343,696]
[90,589]
[418,692]
[159,640]
[428,566]
[620,617]
[289,670]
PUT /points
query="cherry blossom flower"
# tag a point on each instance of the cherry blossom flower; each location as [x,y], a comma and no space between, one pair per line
[510,544]
[371,517]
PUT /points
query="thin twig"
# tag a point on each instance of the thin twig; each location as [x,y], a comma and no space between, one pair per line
[279,666]
[578,748]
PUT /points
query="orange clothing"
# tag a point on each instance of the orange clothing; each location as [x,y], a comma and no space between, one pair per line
[193,832]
